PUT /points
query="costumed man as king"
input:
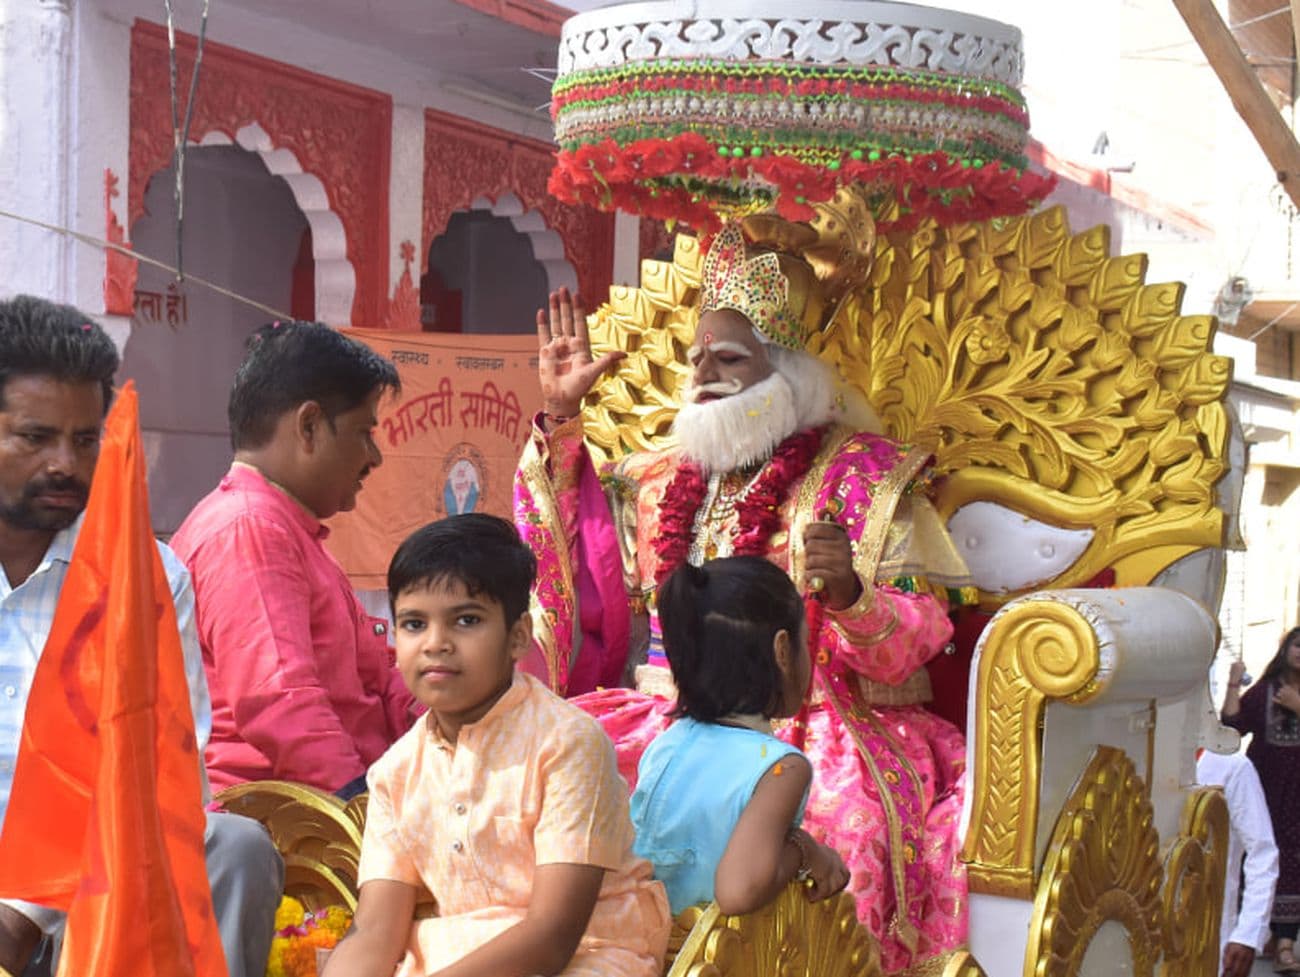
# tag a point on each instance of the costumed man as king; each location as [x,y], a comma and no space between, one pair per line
[773,458]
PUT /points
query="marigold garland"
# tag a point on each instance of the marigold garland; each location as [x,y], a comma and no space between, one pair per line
[758,511]
[299,934]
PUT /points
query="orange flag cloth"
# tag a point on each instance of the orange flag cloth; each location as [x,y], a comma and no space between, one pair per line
[105,818]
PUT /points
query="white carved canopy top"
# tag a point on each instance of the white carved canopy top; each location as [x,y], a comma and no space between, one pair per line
[829,32]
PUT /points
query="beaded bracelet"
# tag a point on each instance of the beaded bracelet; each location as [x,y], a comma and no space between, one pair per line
[805,856]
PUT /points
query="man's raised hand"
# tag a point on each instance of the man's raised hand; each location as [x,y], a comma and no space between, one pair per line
[565,368]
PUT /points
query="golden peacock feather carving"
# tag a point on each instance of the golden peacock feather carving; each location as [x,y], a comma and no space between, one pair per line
[790,937]
[1102,865]
[1047,375]
[317,835]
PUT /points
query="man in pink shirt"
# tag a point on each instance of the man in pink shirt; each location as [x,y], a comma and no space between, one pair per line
[303,682]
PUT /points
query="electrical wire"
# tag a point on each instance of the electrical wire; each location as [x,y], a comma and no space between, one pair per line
[181,131]
[98,242]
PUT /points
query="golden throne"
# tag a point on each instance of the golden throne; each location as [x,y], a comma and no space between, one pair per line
[1076,416]
[1079,427]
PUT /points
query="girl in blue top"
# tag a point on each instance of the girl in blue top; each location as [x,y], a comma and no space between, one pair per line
[719,799]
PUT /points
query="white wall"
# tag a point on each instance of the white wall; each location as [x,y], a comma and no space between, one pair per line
[1132,69]
[35,60]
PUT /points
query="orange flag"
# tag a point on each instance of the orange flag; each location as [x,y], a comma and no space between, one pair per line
[105,818]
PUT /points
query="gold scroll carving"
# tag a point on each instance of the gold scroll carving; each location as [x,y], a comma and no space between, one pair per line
[318,836]
[1033,652]
[790,937]
[962,964]
[1192,899]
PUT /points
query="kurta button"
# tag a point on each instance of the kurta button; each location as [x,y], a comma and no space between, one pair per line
[10,691]
[457,846]
[460,808]
[950,649]
[381,628]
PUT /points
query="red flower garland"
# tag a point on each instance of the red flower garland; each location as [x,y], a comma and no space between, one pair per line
[677,511]
[758,511]
[638,178]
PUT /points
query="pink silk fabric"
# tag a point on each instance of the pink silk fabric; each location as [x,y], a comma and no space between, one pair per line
[901,850]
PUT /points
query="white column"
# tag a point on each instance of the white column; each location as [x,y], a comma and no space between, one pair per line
[99,139]
[406,194]
[35,181]
[627,249]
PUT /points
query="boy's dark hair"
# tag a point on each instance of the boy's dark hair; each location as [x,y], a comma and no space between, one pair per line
[40,338]
[719,623]
[482,552]
[289,363]
[1277,668]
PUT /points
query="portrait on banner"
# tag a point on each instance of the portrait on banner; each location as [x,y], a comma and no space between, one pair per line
[463,483]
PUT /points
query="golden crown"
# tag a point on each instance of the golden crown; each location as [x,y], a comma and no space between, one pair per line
[755,287]
[801,273]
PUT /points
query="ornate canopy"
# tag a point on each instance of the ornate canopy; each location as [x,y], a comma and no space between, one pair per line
[696,110]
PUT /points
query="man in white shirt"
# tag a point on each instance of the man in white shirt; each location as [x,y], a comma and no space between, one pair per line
[1244,930]
[56,373]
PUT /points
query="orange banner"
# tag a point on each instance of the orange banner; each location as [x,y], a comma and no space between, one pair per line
[450,440]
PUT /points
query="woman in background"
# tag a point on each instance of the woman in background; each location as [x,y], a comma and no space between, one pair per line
[1270,711]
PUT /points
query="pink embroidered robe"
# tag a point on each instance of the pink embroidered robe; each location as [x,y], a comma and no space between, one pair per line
[889,779]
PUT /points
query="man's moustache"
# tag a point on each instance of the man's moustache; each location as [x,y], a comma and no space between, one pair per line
[723,388]
[44,486]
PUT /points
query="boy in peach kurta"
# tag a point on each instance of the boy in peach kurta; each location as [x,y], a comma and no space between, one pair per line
[497,838]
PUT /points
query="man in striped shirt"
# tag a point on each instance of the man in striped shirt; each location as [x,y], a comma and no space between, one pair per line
[56,376]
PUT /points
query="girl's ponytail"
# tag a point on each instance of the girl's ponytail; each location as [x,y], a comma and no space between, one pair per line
[683,600]
[719,625]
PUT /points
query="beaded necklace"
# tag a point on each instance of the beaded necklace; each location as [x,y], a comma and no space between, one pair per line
[725,492]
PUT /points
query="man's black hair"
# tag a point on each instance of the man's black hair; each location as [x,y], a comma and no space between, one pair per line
[481,552]
[40,338]
[720,622]
[287,364]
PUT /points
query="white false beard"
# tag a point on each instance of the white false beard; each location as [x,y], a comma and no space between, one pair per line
[738,430]
[820,396]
